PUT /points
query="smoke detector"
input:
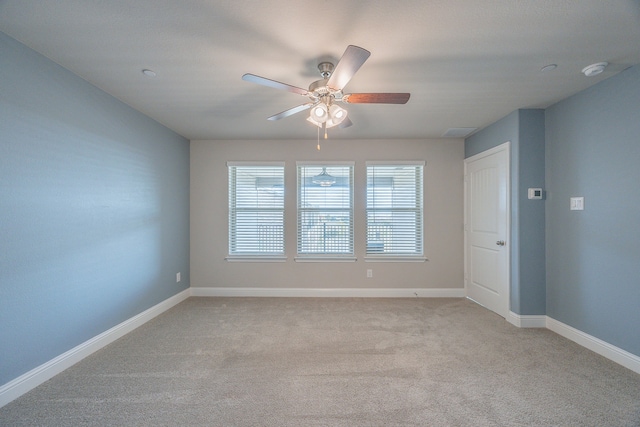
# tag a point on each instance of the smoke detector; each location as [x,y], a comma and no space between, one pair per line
[594,69]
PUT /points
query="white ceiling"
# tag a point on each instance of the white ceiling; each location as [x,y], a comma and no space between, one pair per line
[467,63]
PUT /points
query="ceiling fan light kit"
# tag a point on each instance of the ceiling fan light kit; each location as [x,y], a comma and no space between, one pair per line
[337,113]
[328,116]
[320,112]
[324,93]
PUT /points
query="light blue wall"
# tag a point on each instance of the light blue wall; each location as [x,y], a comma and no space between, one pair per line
[94,211]
[531,213]
[524,129]
[593,256]
[505,129]
[581,268]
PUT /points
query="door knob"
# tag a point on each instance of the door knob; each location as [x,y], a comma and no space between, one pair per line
[500,243]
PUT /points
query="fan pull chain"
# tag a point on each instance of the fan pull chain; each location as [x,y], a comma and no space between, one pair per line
[324,126]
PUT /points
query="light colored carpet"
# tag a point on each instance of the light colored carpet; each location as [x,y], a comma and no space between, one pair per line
[334,362]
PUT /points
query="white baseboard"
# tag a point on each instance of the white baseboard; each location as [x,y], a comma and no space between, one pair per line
[335,292]
[30,380]
[611,352]
[603,348]
[527,321]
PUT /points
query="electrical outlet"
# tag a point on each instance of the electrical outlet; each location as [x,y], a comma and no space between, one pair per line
[177,277]
[369,273]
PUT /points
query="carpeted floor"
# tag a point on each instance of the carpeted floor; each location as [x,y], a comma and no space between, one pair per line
[334,362]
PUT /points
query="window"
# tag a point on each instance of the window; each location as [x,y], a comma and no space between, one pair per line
[256,210]
[325,210]
[394,209]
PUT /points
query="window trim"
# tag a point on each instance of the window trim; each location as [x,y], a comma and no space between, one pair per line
[396,257]
[327,257]
[255,257]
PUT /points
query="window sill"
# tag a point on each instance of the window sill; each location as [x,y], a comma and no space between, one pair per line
[395,258]
[256,258]
[326,259]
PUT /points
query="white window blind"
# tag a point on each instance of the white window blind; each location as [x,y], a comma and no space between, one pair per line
[394,209]
[325,209]
[256,209]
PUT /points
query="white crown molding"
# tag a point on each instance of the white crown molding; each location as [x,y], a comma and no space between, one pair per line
[30,380]
[330,293]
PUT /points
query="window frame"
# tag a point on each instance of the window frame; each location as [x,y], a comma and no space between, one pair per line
[396,257]
[257,256]
[325,256]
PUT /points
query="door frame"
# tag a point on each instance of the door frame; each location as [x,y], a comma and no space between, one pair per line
[506,146]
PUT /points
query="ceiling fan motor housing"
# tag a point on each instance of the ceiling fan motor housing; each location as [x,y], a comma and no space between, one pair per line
[325,68]
[319,88]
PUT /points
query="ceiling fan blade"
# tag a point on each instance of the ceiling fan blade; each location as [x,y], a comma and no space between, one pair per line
[274,84]
[376,98]
[351,61]
[291,111]
[345,123]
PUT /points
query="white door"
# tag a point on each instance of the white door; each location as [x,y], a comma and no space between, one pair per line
[487,229]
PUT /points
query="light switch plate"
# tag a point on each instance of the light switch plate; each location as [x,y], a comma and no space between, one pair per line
[577,204]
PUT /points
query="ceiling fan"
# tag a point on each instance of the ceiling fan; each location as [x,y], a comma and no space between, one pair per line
[326,92]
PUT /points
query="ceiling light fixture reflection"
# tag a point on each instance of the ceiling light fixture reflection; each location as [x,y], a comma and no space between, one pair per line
[323,179]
